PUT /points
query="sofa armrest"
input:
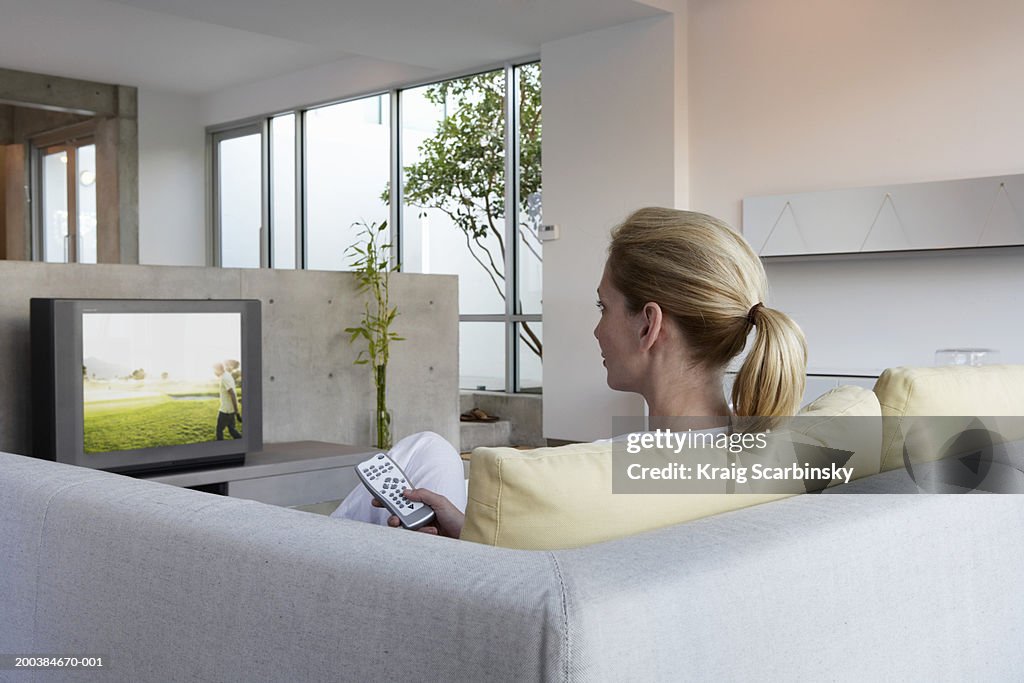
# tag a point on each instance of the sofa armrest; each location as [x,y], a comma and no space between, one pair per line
[853,587]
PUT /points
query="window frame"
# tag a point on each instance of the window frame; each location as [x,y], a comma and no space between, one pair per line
[67,139]
[511,317]
[215,136]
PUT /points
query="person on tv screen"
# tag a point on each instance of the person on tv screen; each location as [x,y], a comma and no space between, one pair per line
[680,296]
[228,403]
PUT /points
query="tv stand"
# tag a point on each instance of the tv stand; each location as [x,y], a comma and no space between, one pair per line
[288,474]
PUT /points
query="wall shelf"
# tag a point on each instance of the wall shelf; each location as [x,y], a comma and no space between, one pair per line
[943,215]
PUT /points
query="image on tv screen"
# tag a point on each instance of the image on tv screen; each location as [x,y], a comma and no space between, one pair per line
[160,379]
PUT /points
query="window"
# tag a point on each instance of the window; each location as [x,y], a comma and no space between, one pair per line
[67,217]
[460,160]
[238,167]
[348,167]
[284,238]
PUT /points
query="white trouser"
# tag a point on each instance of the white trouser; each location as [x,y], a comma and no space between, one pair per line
[429,462]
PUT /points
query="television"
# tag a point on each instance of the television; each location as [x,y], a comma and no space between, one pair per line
[139,386]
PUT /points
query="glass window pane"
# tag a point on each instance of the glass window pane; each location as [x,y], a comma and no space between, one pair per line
[453,153]
[55,207]
[530,216]
[348,167]
[529,337]
[482,356]
[282,191]
[86,199]
[240,184]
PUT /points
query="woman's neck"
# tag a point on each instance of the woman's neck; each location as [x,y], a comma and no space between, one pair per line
[698,397]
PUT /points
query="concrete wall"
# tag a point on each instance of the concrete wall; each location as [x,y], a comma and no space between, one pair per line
[609,148]
[791,96]
[311,388]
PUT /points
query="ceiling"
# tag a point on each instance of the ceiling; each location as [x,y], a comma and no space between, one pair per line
[202,46]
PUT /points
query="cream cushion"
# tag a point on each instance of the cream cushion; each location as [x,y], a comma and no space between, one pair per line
[961,393]
[847,418]
[562,497]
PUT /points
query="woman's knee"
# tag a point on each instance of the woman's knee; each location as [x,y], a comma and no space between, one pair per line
[431,441]
[423,445]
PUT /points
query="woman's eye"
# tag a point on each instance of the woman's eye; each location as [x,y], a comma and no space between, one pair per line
[600,306]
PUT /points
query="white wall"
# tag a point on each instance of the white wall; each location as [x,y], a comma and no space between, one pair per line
[791,96]
[609,148]
[172,180]
[330,82]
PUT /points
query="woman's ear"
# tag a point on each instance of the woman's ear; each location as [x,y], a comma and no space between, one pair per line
[652,319]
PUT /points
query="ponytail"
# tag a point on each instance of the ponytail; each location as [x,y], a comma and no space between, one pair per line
[770,383]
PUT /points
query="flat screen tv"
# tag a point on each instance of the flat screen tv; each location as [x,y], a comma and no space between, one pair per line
[139,386]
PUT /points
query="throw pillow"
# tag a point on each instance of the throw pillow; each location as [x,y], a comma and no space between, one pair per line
[562,497]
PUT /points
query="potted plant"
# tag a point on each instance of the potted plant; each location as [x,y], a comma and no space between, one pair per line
[371,256]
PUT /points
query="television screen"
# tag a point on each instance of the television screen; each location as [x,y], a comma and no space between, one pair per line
[160,379]
[145,385]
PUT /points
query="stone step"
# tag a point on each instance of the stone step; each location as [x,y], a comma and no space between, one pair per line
[475,434]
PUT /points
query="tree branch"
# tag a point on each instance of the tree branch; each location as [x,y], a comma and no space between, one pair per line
[531,339]
[469,246]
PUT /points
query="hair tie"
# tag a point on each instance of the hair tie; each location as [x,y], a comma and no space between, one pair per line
[753,309]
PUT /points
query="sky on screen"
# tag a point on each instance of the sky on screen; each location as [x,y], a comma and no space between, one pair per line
[184,345]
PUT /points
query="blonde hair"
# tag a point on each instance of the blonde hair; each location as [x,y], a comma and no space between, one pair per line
[706,277]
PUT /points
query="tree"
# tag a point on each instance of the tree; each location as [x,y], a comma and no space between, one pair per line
[461,171]
[139,374]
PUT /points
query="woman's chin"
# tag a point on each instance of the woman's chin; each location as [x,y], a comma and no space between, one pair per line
[614,384]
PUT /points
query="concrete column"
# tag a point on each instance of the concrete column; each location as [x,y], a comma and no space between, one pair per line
[3,201]
[108,192]
[17,233]
[128,172]
[6,124]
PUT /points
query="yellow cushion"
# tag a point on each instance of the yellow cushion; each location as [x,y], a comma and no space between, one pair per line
[961,393]
[562,497]
[848,418]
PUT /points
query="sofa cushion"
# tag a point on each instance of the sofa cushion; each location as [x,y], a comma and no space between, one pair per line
[848,400]
[562,497]
[848,418]
[963,394]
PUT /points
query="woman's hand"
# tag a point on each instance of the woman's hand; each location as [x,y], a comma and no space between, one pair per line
[448,520]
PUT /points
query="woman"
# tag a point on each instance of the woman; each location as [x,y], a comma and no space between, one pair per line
[680,294]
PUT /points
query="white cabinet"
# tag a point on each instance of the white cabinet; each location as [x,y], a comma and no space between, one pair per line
[949,214]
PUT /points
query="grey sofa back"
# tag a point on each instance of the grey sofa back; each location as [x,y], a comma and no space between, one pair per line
[170,584]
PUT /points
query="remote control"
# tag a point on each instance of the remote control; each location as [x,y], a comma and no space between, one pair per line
[386,481]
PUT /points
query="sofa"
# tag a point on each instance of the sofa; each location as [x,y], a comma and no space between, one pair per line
[168,584]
